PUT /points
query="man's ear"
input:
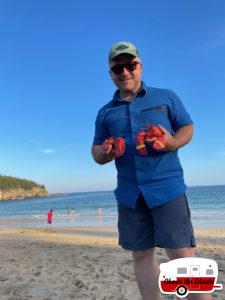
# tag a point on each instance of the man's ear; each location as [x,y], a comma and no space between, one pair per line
[141,66]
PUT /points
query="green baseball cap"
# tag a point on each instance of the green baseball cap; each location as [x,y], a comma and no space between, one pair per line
[123,48]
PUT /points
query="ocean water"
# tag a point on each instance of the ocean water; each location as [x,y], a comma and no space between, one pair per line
[207,205]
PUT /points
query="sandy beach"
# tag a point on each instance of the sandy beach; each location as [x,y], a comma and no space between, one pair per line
[81,263]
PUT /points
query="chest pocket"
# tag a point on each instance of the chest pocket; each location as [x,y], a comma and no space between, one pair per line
[156,115]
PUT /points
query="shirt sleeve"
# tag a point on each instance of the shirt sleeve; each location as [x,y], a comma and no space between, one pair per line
[179,117]
[101,131]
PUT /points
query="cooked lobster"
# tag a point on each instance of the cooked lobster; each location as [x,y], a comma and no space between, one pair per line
[114,143]
[153,135]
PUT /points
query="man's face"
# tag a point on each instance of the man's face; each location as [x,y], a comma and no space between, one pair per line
[127,80]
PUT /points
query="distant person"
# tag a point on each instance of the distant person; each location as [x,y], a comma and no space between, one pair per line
[49,219]
[141,129]
[71,212]
[99,213]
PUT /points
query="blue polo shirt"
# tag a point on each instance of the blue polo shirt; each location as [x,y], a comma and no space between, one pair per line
[159,175]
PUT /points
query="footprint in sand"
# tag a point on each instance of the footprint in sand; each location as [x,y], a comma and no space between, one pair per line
[20,289]
[40,267]
[79,284]
[3,278]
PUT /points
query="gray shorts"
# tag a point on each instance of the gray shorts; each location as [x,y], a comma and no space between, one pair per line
[166,226]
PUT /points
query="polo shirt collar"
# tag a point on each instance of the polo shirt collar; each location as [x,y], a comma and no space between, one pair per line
[141,93]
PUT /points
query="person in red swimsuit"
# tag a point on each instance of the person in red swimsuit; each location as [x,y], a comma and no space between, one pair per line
[49,219]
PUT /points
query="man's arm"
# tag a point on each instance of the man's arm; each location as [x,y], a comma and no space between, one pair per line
[100,156]
[181,137]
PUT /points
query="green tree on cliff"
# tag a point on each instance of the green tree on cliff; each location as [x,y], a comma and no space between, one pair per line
[8,183]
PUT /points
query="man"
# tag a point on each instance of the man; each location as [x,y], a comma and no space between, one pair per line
[152,206]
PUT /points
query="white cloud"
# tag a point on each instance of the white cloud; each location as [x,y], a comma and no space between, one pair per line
[48,151]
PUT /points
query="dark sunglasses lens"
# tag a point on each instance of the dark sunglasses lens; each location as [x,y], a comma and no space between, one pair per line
[131,67]
[118,69]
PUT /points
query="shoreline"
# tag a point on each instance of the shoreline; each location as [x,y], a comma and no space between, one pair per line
[81,263]
[86,221]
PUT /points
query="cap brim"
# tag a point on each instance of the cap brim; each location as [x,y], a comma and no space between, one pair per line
[123,52]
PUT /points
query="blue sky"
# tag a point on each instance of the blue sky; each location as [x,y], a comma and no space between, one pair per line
[54,78]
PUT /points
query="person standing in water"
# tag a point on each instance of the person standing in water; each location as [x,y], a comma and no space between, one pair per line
[99,212]
[49,219]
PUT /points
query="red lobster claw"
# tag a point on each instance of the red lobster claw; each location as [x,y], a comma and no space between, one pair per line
[119,143]
[140,143]
[159,144]
[107,145]
[155,133]
[114,143]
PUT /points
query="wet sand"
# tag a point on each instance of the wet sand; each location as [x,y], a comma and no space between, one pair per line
[82,263]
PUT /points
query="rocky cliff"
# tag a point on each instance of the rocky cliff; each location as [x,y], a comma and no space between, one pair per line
[20,193]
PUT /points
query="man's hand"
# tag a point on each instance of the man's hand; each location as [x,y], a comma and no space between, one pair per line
[180,138]
[114,146]
[108,150]
[101,156]
[170,141]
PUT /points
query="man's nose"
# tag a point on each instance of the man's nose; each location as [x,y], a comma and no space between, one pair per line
[125,72]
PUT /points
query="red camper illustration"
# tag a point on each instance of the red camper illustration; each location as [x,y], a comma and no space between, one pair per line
[188,275]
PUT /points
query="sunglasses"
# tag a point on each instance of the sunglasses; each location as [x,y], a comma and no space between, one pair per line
[130,67]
